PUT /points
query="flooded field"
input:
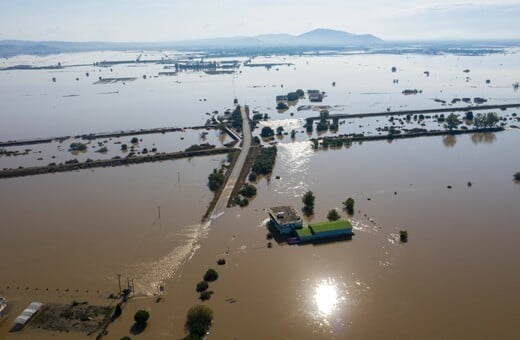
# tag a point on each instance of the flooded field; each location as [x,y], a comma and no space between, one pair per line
[458,262]
[66,236]
[107,148]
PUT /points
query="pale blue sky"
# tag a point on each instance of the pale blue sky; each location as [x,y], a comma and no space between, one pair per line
[170,20]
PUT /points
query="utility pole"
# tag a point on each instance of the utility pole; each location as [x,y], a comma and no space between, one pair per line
[119,282]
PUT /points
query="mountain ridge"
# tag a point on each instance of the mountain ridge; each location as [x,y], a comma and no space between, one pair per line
[317,38]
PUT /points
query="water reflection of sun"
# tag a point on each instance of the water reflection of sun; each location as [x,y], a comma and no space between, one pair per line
[326,298]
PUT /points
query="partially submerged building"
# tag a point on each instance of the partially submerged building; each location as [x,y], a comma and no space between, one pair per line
[324,230]
[26,315]
[315,95]
[285,219]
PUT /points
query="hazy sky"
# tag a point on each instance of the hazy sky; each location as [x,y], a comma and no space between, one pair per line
[170,20]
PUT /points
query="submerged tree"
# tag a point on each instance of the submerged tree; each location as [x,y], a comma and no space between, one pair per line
[333,215]
[308,202]
[198,321]
[349,205]
[452,121]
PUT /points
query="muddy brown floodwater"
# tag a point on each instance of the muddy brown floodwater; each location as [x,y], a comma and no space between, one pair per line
[455,278]
[66,236]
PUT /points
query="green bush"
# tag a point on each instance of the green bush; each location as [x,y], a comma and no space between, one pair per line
[202,286]
[206,295]
[253,176]
[141,317]
[349,205]
[308,202]
[281,106]
[78,147]
[215,180]
[292,96]
[248,190]
[211,275]
[403,236]
[134,140]
[198,320]
[266,132]
[264,163]
[517,176]
[244,202]
[333,215]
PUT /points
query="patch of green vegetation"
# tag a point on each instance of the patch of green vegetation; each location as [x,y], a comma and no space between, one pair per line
[485,120]
[198,321]
[333,215]
[78,146]
[215,180]
[266,132]
[211,275]
[281,106]
[248,190]
[403,236]
[349,205]
[236,119]
[292,96]
[141,317]
[308,202]
[206,295]
[264,163]
[202,286]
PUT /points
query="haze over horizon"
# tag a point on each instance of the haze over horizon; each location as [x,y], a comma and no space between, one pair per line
[162,20]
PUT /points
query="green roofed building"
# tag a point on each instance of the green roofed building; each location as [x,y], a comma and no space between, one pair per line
[325,230]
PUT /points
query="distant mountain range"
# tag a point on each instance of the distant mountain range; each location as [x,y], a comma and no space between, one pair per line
[319,38]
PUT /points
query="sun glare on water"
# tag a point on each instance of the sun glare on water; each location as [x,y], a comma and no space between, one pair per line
[326,298]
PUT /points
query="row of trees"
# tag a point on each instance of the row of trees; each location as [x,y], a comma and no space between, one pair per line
[485,120]
[480,120]
[308,206]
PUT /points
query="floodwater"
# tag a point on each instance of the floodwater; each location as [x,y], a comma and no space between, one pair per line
[455,278]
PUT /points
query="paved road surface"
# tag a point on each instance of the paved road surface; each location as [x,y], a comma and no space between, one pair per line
[235,172]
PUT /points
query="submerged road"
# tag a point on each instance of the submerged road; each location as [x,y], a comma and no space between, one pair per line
[225,194]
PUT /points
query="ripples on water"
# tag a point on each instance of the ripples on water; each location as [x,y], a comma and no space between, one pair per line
[327,301]
[294,159]
[149,276]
